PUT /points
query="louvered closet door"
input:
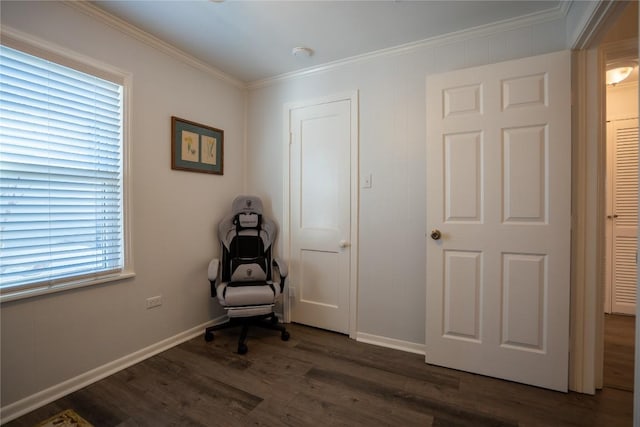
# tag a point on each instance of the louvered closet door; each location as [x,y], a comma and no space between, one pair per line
[625,215]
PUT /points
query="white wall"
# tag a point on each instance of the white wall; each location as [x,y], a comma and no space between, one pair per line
[391,288]
[49,339]
[622,101]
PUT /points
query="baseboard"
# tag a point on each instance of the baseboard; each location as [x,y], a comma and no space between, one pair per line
[407,346]
[41,398]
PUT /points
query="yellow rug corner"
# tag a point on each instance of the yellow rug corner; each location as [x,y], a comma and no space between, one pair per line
[67,418]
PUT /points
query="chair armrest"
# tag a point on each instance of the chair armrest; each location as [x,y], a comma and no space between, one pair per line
[281,266]
[214,265]
[212,272]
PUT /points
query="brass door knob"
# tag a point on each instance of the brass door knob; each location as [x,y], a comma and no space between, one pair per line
[435,234]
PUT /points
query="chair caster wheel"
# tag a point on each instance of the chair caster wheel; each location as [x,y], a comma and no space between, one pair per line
[242,349]
[208,336]
[284,336]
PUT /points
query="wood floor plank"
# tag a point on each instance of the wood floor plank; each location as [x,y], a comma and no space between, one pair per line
[439,410]
[619,351]
[361,406]
[379,362]
[263,373]
[321,378]
[307,409]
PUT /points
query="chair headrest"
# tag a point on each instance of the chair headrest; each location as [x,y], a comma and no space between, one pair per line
[246,205]
[242,209]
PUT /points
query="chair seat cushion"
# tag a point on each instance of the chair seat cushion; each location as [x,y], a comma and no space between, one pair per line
[247,294]
[249,311]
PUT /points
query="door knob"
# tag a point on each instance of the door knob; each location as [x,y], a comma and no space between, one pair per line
[344,244]
[435,234]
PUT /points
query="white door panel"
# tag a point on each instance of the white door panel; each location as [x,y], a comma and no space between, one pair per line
[320,218]
[498,190]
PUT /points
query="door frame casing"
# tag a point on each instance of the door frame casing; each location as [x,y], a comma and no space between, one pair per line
[351,96]
[587,245]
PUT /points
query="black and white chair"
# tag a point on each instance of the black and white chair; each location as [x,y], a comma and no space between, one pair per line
[247,281]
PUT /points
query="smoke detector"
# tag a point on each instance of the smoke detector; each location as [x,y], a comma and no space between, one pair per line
[302,52]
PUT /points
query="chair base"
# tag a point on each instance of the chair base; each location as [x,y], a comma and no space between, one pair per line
[260,321]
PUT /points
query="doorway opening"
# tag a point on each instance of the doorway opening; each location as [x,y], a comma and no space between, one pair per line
[620,47]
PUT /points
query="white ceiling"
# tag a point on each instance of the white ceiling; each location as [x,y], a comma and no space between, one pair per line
[253,40]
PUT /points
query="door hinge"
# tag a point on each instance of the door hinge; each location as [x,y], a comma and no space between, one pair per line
[290,138]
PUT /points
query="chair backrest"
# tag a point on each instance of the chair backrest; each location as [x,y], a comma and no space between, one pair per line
[246,239]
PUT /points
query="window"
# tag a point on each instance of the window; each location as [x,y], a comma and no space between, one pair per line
[61,177]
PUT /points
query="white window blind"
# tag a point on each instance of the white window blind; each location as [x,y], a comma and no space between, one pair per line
[61,166]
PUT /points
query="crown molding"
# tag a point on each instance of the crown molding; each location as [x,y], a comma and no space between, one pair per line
[594,22]
[558,12]
[135,32]
[564,7]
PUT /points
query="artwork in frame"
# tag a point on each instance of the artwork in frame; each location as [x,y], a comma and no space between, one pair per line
[196,147]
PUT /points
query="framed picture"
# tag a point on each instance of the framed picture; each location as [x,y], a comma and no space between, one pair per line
[196,147]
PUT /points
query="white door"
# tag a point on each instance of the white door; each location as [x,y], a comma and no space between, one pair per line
[499,193]
[320,203]
[622,215]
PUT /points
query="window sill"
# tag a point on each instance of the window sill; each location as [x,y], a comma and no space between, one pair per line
[19,294]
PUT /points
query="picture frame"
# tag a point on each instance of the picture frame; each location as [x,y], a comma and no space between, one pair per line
[196,147]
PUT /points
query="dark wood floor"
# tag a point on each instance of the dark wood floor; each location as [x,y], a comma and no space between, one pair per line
[320,378]
[619,351]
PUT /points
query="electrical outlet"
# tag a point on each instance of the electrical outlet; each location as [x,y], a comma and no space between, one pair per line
[154,301]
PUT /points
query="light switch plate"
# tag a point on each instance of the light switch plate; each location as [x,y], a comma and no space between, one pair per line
[366,181]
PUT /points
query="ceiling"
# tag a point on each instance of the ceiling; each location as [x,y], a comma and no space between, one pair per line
[253,40]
